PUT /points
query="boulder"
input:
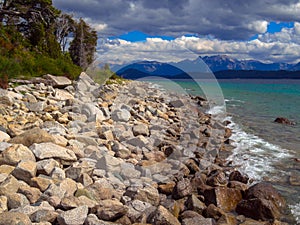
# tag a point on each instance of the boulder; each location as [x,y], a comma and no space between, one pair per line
[283,120]
[49,150]
[25,170]
[29,137]
[223,197]
[15,153]
[261,201]
[162,216]
[75,216]
[182,189]
[111,210]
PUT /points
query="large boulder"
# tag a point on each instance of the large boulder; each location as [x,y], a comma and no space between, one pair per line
[262,202]
[223,197]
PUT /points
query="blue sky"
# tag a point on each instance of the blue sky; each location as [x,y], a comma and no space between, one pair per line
[267,30]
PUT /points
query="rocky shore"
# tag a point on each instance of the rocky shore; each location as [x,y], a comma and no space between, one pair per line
[80,153]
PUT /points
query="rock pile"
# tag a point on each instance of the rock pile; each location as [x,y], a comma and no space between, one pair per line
[83,153]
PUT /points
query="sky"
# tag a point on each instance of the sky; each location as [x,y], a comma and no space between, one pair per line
[167,30]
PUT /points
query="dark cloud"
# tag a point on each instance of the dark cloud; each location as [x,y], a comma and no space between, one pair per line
[234,19]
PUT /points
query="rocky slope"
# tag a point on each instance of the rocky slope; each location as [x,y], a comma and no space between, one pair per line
[119,154]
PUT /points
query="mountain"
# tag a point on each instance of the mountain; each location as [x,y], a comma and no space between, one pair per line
[223,62]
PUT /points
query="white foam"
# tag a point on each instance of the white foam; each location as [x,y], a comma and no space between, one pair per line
[295,209]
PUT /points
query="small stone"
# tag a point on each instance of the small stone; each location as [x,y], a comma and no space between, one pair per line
[25,170]
[75,216]
[120,115]
[14,218]
[140,129]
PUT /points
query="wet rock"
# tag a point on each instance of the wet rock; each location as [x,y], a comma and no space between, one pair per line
[50,150]
[237,176]
[111,210]
[216,178]
[15,153]
[182,189]
[261,201]
[14,218]
[162,217]
[283,120]
[223,197]
[75,216]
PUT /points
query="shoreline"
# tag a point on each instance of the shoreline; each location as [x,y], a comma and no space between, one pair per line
[125,154]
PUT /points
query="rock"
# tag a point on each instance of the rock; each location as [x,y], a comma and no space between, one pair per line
[139,141]
[16,200]
[25,170]
[4,136]
[198,221]
[177,103]
[223,197]
[140,129]
[216,178]
[44,216]
[162,217]
[182,189]
[167,188]
[193,203]
[15,153]
[14,218]
[261,201]
[50,150]
[63,95]
[120,115]
[41,182]
[92,112]
[96,192]
[237,176]
[109,164]
[58,174]
[46,166]
[9,186]
[68,186]
[31,193]
[35,135]
[213,211]
[148,194]
[36,107]
[283,120]
[75,216]
[111,210]
[6,169]
[3,204]
[58,81]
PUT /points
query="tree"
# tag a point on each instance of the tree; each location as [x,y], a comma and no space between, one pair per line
[65,25]
[83,47]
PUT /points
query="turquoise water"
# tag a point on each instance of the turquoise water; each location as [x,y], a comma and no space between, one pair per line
[264,150]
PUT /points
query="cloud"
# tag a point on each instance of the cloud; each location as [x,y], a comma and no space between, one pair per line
[282,46]
[228,20]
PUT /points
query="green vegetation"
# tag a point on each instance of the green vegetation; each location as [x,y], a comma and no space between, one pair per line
[34,37]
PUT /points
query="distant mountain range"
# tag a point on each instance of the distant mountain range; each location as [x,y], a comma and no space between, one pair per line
[221,65]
